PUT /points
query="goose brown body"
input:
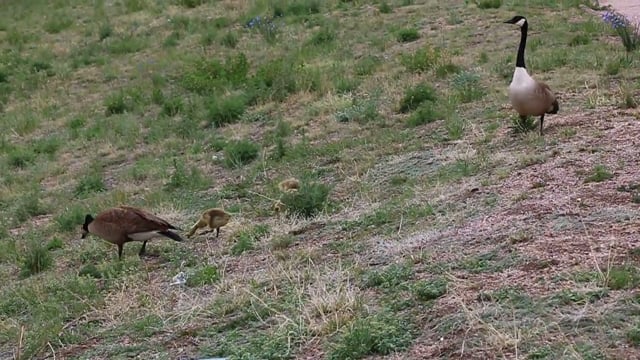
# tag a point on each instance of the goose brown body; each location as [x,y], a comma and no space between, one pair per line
[123,224]
[530,97]
[214,218]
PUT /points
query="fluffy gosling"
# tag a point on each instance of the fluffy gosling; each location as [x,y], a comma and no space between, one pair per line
[289,185]
[214,218]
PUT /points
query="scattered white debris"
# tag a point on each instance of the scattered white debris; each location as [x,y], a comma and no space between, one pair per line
[180,278]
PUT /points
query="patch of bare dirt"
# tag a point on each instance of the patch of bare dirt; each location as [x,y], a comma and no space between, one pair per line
[562,227]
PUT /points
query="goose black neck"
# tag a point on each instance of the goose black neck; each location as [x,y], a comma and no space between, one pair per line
[523,44]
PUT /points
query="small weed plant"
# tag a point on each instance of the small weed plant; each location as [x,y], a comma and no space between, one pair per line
[241,152]
[36,259]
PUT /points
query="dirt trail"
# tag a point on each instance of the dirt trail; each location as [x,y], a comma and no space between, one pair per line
[628,8]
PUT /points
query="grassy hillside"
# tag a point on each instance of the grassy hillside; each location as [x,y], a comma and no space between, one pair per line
[429,223]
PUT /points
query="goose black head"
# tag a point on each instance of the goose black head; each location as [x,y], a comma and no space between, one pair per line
[85,227]
[518,20]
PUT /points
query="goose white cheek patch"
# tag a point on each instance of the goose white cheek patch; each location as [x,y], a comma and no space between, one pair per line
[521,22]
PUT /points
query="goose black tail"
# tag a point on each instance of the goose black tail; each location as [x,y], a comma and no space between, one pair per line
[555,107]
[171,235]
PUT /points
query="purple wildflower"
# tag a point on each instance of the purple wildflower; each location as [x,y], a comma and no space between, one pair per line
[627,31]
[614,19]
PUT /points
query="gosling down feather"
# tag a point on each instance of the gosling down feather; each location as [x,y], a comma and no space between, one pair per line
[123,224]
[529,97]
[214,218]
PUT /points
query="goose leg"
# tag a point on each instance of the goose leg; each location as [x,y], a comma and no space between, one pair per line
[541,121]
[217,232]
[119,251]
[142,249]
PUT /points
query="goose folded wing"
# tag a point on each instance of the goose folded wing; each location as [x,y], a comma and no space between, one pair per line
[544,92]
[138,220]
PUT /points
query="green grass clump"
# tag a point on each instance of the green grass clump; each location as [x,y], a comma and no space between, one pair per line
[57,23]
[47,146]
[276,80]
[117,103]
[70,219]
[230,40]
[407,35]
[633,336]
[36,259]
[367,65]
[203,275]
[361,111]
[467,86]
[580,39]
[91,182]
[389,278]
[599,173]
[385,8]
[105,31]
[523,125]
[430,290]
[126,44]
[323,37]
[20,157]
[425,113]
[622,277]
[488,4]
[42,67]
[415,96]
[447,68]
[29,205]
[4,75]
[245,240]
[172,106]
[222,111]
[239,153]
[205,75]
[379,334]
[297,8]
[422,60]
[90,270]
[309,200]
[54,244]
[190,4]
[188,180]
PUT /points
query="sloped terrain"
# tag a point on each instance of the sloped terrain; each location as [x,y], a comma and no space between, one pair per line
[428,223]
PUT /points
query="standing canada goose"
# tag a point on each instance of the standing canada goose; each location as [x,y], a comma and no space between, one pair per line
[122,224]
[215,218]
[528,96]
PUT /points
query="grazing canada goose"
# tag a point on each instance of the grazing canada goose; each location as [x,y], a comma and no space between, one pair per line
[214,218]
[528,96]
[290,184]
[122,224]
